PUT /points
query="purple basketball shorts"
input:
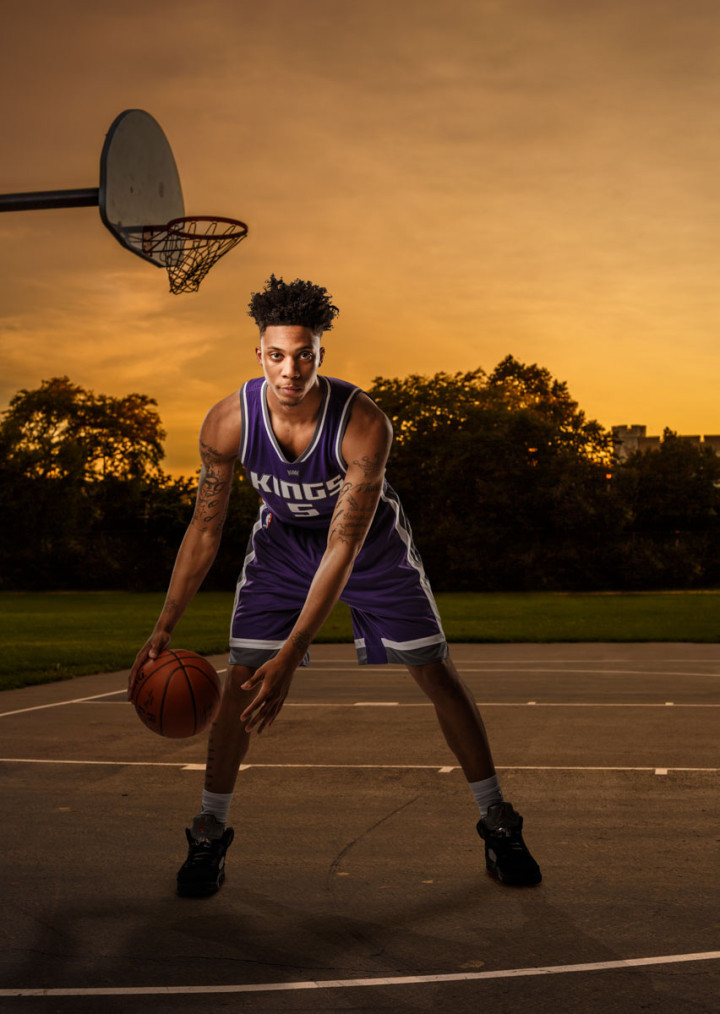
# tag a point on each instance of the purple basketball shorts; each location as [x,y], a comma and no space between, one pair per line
[394,615]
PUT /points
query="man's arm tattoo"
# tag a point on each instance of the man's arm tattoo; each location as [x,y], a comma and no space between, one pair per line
[170,610]
[211,504]
[301,640]
[370,466]
[351,519]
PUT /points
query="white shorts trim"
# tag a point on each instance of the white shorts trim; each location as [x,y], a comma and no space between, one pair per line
[239,642]
[420,642]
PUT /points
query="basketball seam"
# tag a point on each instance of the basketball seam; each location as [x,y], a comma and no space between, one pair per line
[185,661]
[192,697]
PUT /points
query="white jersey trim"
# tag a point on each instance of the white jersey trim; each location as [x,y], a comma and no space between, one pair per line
[412,556]
[342,426]
[242,451]
[249,557]
[316,435]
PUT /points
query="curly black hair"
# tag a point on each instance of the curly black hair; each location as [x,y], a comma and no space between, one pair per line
[300,303]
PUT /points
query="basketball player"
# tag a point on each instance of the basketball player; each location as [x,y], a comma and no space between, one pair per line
[329,527]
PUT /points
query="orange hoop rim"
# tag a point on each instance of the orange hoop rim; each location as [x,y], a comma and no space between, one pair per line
[178,227]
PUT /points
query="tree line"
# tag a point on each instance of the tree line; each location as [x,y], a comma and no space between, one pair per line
[507,484]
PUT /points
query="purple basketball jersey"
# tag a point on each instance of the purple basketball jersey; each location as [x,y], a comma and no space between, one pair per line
[302,491]
[395,618]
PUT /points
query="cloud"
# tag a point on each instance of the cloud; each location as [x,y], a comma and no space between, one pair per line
[469,179]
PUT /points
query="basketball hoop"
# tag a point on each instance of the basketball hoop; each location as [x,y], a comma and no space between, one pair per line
[139,183]
[188,247]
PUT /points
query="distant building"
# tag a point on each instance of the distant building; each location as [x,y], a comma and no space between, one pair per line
[628,439]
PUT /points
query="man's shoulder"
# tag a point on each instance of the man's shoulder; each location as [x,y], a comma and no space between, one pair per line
[227,407]
[340,389]
[222,425]
[366,417]
[361,402]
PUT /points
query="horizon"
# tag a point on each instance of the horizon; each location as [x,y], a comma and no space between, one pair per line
[191,465]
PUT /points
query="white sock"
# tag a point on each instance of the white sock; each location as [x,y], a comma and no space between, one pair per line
[217,803]
[486,792]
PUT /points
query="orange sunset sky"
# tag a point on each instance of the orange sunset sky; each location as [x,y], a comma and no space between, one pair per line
[469,179]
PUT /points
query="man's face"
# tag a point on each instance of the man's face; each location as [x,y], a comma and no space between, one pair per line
[290,356]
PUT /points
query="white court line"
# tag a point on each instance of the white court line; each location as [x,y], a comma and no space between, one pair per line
[448,769]
[399,980]
[395,704]
[505,704]
[428,704]
[440,768]
[75,700]
[593,672]
[492,667]
[60,704]
[480,704]
[318,663]
[100,763]
[487,670]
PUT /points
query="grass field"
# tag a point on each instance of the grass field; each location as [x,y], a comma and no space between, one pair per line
[51,636]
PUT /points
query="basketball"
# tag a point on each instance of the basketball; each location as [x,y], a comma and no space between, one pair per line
[177,694]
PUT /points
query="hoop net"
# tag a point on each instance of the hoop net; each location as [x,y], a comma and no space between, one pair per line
[190,246]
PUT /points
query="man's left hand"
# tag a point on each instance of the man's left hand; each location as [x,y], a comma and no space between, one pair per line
[274,679]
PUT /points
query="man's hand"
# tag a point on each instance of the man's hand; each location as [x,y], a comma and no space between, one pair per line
[274,678]
[154,646]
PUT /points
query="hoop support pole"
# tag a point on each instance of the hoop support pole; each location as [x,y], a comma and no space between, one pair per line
[36,201]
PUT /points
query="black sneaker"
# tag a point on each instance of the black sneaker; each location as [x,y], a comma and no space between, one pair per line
[203,871]
[506,854]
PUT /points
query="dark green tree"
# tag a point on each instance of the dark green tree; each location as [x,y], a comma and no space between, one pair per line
[83,499]
[670,498]
[507,483]
[62,431]
[425,406]
[504,478]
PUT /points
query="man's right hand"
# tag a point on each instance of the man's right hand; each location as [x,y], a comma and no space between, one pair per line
[154,646]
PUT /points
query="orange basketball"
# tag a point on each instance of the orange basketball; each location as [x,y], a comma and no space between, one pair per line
[177,694]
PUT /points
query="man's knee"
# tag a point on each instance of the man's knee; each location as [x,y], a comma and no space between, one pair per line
[437,679]
[236,676]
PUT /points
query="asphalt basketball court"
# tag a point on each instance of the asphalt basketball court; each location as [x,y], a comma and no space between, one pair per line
[356,879]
